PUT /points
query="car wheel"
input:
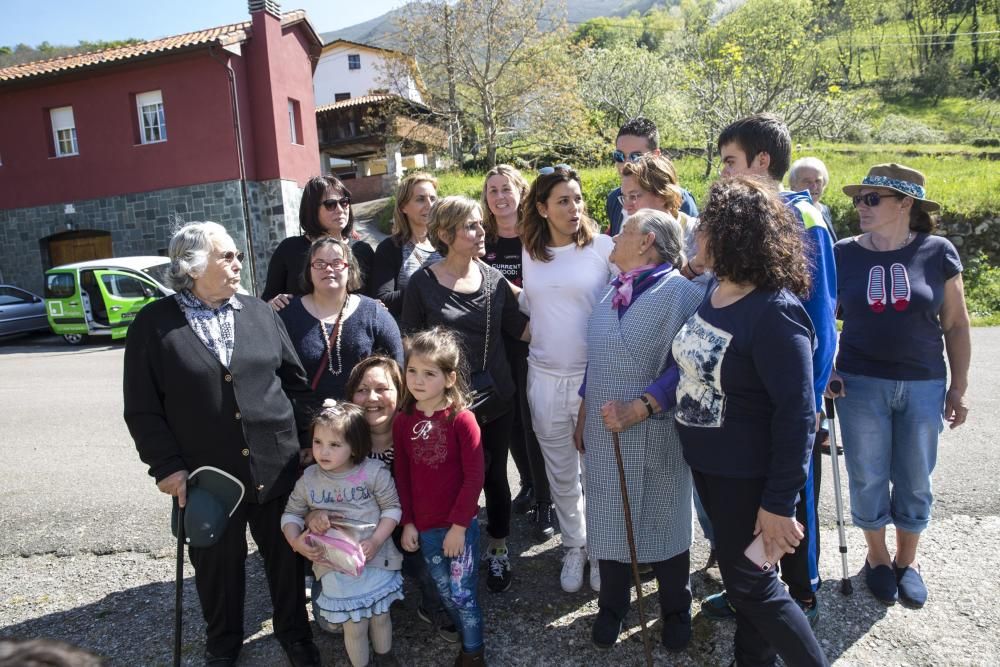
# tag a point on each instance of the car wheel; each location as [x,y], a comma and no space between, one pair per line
[75,339]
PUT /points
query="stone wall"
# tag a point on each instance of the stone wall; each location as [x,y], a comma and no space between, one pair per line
[973,236]
[142,224]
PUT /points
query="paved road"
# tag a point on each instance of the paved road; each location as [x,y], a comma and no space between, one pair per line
[80,518]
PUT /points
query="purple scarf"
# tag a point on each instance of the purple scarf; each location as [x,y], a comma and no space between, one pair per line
[631,284]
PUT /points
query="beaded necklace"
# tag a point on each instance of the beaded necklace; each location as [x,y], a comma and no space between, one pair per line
[326,339]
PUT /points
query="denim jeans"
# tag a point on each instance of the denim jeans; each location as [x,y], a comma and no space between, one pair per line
[457,580]
[890,430]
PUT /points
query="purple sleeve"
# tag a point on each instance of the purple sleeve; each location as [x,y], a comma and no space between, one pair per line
[582,392]
[664,388]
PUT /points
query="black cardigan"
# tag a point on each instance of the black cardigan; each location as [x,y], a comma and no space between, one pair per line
[385,270]
[284,271]
[185,409]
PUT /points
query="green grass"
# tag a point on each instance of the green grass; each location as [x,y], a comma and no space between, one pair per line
[961,178]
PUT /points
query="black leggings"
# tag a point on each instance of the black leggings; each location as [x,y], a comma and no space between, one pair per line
[768,622]
[496,440]
[672,579]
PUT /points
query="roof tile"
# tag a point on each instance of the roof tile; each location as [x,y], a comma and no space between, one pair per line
[224,35]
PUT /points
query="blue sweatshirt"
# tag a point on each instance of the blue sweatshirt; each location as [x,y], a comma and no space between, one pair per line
[821,304]
[745,397]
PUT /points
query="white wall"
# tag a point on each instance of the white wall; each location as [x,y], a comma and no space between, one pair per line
[333,76]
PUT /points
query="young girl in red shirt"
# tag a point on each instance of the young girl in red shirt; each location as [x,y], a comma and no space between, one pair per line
[439,475]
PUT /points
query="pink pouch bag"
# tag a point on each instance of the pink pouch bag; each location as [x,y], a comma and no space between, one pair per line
[341,552]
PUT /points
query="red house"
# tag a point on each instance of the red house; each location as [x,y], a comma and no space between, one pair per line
[105,154]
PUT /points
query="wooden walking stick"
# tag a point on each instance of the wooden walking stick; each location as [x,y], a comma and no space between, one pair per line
[631,548]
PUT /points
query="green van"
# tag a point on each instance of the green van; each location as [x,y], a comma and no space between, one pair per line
[101,297]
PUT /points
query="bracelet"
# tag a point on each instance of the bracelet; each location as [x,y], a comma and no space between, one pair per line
[649,406]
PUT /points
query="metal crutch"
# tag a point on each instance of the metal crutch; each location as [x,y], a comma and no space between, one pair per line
[845,583]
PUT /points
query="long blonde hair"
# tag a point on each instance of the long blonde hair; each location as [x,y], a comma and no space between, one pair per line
[517,180]
[401,230]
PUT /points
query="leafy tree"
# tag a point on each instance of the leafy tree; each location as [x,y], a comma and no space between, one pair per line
[762,57]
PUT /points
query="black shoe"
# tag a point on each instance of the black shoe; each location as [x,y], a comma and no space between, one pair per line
[606,629]
[676,631]
[302,653]
[523,501]
[220,660]
[544,521]
[498,578]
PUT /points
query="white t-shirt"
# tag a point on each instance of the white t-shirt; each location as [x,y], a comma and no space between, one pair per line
[558,296]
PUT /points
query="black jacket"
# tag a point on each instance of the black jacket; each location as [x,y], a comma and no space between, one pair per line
[185,409]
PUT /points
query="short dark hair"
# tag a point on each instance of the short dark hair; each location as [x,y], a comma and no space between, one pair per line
[312,199]
[641,127]
[752,237]
[761,133]
[351,420]
[353,271]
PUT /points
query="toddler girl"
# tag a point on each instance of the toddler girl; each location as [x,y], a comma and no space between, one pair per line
[360,492]
[439,473]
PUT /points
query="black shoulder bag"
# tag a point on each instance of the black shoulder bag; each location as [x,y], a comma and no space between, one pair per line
[484,400]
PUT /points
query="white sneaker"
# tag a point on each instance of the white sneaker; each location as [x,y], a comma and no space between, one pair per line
[595,576]
[572,569]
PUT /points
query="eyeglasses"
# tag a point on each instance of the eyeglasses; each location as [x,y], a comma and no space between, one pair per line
[634,156]
[331,204]
[872,199]
[545,171]
[336,265]
[629,199]
[230,255]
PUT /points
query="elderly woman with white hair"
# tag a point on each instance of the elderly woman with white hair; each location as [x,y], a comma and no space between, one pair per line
[809,173]
[629,390]
[209,378]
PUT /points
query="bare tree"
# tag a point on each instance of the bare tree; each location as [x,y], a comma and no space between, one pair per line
[488,60]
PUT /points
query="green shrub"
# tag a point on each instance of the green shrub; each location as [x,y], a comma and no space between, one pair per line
[982,287]
[896,129]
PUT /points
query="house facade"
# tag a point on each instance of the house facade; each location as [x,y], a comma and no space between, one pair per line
[105,154]
[349,69]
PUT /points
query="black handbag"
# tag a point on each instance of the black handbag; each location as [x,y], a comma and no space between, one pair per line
[484,400]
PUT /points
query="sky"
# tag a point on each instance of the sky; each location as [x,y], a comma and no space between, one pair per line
[66,22]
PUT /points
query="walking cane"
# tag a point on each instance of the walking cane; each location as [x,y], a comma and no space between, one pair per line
[631,548]
[179,591]
[845,582]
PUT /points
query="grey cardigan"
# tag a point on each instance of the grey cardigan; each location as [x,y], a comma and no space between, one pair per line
[364,495]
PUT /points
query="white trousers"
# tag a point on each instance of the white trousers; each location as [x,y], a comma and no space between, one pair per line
[554,403]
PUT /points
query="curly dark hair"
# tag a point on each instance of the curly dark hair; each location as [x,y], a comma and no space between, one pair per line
[752,237]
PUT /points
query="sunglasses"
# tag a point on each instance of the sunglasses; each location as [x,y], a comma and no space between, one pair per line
[230,255]
[629,199]
[634,156]
[545,171]
[336,265]
[331,204]
[872,199]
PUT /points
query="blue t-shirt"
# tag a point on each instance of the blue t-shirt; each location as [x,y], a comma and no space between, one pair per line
[891,302]
[745,399]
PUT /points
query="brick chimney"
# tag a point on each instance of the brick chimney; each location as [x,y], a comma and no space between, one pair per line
[270,6]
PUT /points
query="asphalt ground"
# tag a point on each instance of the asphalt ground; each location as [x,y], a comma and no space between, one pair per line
[86,554]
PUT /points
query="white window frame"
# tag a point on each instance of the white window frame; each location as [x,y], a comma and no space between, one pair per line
[351,59]
[152,117]
[291,121]
[64,131]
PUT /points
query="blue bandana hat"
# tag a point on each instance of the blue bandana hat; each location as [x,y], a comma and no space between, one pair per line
[898,177]
[912,189]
